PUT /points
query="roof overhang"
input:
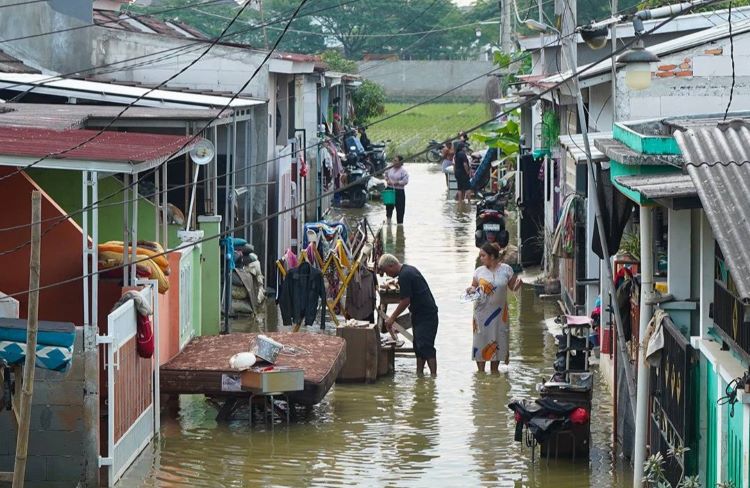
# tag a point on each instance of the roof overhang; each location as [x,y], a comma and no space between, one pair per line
[119,94]
[671,190]
[290,67]
[87,150]
[718,161]
[575,147]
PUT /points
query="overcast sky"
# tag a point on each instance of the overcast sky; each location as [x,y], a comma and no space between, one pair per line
[463,2]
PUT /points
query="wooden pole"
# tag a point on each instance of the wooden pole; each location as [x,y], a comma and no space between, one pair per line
[22,442]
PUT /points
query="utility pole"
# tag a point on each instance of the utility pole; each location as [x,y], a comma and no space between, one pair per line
[506,43]
[32,326]
[540,13]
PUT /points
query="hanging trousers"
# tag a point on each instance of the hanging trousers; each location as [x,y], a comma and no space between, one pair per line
[400,206]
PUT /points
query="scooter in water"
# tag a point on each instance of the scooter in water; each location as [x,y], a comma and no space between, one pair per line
[490,220]
[355,176]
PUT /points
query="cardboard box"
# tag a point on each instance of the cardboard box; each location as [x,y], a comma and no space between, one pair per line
[362,351]
[277,380]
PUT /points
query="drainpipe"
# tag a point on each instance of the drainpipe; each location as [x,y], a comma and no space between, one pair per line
[647,282]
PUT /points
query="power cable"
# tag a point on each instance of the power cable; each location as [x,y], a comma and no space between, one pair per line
[21,3]
[173,50]
[131,104]
[731,55]
[304,203]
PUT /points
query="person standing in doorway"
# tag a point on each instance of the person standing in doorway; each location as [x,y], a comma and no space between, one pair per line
[491,315]
[416,295]
[396,178]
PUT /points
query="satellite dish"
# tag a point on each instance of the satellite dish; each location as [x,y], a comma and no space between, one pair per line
[202,153]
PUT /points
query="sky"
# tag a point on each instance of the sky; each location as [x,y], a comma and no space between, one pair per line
[463,3]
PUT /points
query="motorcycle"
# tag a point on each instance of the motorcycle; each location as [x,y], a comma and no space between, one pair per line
[355,170]
[374,158]
[434,154]
[490,220]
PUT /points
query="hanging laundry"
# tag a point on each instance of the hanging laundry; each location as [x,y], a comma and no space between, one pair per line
[361,294]
[302,291]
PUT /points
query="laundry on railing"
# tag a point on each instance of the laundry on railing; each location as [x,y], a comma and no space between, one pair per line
[152,263]
[54,349]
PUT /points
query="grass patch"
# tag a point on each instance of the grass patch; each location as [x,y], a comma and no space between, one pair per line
[411,131]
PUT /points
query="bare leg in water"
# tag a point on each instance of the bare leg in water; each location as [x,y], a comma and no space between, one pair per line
[431,363]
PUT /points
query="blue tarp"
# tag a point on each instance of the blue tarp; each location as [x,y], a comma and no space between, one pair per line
[484,166]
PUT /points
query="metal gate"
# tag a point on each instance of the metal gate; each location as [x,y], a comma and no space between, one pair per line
[132,386]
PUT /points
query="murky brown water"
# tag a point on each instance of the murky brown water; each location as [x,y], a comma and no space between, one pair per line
[454,430]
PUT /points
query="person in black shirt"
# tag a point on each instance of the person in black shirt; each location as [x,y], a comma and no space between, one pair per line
[462,172]
[415,294]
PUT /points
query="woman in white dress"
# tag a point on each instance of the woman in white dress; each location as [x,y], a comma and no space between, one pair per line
[491,322]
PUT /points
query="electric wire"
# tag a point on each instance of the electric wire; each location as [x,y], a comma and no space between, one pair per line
[731,55]
[302,204]
[131,104]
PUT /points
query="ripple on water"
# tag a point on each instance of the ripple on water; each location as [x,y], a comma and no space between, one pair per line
[454,430]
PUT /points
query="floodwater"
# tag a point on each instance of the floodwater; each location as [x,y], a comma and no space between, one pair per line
[404,431]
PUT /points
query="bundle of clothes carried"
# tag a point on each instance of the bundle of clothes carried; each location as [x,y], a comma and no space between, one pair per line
[150,262]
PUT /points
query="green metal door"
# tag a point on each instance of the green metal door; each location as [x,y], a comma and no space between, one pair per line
[711,427]
[734,443]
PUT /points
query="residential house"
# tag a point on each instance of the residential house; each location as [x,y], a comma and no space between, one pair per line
[694,76]
[689,178]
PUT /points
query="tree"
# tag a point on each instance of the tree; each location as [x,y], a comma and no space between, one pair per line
[369,102]
[337,62]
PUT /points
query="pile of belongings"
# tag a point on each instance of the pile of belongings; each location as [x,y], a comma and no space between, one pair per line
[248,282]
[152,263]
[54,348]
[545,416]
[390,286]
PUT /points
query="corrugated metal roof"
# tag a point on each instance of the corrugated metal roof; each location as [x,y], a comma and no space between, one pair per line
[62,117]
[718,161]
[675,45]
[617,151]
[146,24]
[660,186]
[119,152]
[115,93]
[9,64]
[573,143]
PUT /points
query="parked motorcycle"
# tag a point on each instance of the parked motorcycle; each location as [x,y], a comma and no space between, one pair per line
[490,220]
[374,157]
[434,154]
[355,170]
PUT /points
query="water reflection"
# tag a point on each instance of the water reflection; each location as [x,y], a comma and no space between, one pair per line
[453,430]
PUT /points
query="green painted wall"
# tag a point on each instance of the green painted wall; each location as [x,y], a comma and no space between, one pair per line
[618,169]
[709,446]
[733,466]
[645,144]
[211,277]
[65,188]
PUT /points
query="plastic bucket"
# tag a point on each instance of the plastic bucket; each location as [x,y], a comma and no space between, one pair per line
[389,196]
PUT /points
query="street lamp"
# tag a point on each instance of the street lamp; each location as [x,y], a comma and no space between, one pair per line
[637,63]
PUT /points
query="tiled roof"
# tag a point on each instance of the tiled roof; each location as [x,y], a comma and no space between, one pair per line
[9,64]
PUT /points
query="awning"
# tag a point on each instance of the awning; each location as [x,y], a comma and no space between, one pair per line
[573,144]
[656,187]
[112,152]
[510,102]
[718,161]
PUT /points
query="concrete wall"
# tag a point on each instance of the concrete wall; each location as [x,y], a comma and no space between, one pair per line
[56,442]
[62,51]
[424,79]
[691,82]
[224,68]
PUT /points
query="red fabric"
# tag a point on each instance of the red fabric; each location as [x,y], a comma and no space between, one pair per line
[579,416]
[145,337]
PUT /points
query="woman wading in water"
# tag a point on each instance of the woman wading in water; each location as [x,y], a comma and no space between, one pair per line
[490,322]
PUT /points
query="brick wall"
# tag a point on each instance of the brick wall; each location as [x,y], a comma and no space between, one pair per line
[56,457]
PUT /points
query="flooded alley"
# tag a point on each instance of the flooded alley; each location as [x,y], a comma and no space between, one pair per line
[454,430]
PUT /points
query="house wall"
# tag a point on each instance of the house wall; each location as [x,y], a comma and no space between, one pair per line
[61,251]
[695,81]
[416,80]
[56,456]
[62,51]
[65,188]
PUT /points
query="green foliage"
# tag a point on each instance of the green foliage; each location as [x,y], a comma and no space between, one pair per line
[654,475]
[550,129]
[337,62]
[504,136]
[369,101]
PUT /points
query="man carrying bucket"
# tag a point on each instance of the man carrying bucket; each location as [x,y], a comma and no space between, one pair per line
[396,178]
[415,294]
